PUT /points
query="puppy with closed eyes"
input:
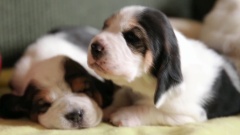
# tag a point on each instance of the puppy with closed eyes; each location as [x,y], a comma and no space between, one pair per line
[53,85]
[174,80]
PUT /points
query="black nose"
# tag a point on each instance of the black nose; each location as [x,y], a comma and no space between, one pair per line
[75,116]
[97,50]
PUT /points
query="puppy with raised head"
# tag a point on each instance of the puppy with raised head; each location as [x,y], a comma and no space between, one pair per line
[53,85]
[174,80]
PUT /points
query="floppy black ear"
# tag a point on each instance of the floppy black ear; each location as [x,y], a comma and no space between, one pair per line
[164,47]
[12,106]
[73,70]
[105,88]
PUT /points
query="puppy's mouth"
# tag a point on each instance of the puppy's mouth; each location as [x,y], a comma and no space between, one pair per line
[102,71]
[101,68]
[98,68]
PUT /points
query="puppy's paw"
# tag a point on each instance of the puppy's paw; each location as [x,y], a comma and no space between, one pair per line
[107,112]
[127,117]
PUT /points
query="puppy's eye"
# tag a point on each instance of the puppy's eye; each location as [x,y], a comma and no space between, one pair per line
[41,106]
[131,37]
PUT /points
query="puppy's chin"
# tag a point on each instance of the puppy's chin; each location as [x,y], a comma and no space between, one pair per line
[119,72]
[119,75]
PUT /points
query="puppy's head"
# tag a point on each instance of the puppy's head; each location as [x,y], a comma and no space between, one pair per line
[137,41]
[61,94]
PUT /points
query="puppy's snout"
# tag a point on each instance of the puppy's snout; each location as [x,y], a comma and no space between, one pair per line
[97,50]
[75,116]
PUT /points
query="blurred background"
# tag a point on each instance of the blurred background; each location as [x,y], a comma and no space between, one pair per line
[22,21]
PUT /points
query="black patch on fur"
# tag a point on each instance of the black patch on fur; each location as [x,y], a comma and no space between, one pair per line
[74,70]
[10,85]
[226,98]
[135,40]
[106,89]
[12,106]
[79,36]
[164,47]
[40,106]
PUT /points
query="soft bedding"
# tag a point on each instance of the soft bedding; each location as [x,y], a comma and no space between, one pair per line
[220,126]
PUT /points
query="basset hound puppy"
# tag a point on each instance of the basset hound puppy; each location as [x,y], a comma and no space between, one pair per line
[53,85]
[169,79]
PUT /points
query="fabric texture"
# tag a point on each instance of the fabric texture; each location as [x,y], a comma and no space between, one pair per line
[220,126]
[224,126]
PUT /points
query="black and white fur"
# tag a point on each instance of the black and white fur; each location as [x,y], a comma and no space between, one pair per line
[175,80]
[46,79]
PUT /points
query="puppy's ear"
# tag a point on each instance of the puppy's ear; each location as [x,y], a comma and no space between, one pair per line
[104,92]
[12,106]
[73,70]
[164,48]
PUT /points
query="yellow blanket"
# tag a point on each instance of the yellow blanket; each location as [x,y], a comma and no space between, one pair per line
[220,126]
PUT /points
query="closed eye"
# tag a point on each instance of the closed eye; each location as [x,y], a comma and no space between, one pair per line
[86,91]
[41,106]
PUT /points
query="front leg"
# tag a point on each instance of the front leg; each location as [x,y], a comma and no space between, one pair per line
[130,116]
[142,115]
[122,98]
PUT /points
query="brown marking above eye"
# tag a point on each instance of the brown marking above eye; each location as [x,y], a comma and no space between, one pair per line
[43,95]
[79,84]
[108,21]
[105,25]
